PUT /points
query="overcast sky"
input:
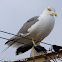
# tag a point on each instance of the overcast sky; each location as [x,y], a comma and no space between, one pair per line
[14,13]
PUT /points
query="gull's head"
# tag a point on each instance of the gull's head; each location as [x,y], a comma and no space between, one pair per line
[50,11]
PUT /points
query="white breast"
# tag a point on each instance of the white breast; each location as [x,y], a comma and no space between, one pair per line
[44,23]
[43,27]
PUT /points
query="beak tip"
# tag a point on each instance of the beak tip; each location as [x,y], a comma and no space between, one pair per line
[54,14]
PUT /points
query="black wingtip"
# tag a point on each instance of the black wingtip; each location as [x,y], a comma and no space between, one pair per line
[23,49]
[6,42]
[17,53]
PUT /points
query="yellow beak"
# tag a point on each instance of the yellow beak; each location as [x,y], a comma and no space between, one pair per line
[54,14]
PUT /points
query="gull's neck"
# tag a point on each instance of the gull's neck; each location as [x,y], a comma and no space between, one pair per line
[46,15]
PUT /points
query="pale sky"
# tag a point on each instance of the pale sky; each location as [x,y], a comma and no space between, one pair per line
[14,13]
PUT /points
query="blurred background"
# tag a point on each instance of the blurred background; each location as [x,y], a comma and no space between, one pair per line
[14,13]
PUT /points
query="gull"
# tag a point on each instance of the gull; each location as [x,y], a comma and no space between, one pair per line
[36,28]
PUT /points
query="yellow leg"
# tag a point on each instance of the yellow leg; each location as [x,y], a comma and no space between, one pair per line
[33,41]
[38,43]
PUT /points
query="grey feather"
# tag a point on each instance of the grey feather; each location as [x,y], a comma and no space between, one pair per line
[12,40]
[23,30]
[28,24]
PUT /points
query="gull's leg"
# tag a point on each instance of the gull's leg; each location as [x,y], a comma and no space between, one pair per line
[38,44]
[33,41]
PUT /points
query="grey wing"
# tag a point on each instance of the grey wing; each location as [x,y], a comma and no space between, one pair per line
[23,30]
[28,24]
[12,40]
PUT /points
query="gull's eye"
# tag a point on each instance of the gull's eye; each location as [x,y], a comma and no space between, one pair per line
[49,9]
